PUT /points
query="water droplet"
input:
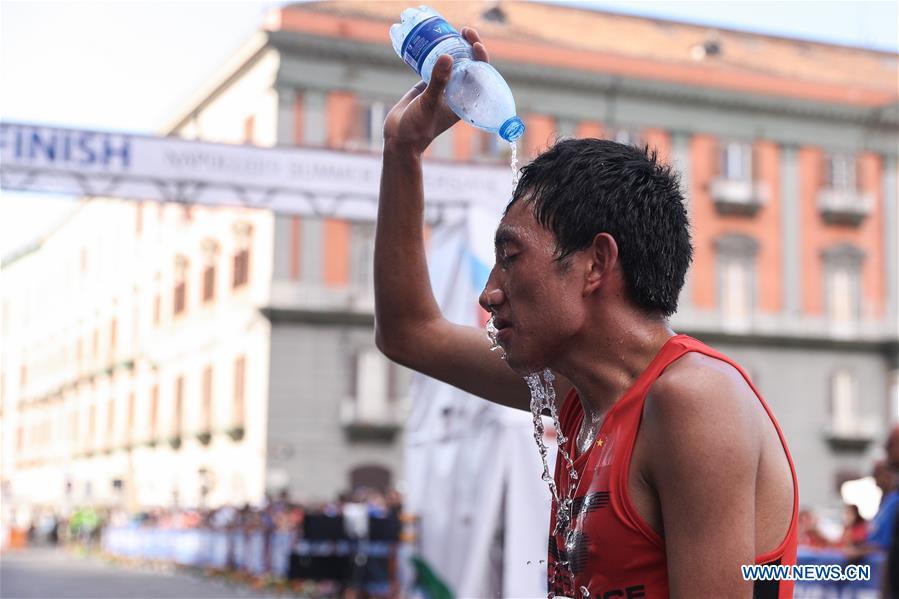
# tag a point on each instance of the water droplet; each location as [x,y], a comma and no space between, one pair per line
[491,335]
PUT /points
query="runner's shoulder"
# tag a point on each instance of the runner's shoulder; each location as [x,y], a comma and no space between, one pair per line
[701,394]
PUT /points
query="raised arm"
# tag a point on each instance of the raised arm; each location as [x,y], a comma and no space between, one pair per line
[409,327]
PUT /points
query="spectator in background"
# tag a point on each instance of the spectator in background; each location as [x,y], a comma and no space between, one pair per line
[881,529]
[809,535]
[892,448]
[856,531]
[394,502]
[891,579]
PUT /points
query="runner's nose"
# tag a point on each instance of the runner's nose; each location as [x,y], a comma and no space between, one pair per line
[490,299]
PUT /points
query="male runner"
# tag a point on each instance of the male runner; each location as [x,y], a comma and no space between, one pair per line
[684,475]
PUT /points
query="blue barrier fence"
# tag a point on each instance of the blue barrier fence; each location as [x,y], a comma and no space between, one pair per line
[248,551]
[839,589]
[259,554]
[204,548]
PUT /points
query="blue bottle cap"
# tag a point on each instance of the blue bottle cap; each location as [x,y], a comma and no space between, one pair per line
[512,129]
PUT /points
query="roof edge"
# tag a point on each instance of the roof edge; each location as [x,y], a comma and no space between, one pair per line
[709,25]
[213,85]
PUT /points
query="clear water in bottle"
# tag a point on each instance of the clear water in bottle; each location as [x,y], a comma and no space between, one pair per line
[476,91]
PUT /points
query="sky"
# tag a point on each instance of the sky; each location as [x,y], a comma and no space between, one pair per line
[129,65]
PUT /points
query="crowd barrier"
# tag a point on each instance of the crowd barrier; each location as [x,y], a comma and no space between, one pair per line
[327,555]
[842,589]
[253,552]
[285,556]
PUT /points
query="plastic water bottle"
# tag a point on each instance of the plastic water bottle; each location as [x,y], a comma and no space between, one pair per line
[476,91]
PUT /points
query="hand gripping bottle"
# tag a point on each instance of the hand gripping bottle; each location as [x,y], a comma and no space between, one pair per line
[476,91]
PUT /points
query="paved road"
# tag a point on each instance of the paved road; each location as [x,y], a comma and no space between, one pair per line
[57,574]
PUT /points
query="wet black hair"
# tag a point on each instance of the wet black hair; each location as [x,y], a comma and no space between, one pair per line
[579,188]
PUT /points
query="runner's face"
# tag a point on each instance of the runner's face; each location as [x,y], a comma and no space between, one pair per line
[537,301]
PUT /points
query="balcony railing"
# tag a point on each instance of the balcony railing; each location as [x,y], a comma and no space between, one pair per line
[361,419]
[852,436]
[844,206]
[737,196]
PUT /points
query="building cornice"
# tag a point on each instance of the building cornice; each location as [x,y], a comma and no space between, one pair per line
[880,120]
[884,347]
[536,53]
[318,317]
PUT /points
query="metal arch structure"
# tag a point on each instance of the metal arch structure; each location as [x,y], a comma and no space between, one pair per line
[300,181]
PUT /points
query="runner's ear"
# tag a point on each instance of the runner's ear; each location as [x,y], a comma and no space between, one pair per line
[602,256]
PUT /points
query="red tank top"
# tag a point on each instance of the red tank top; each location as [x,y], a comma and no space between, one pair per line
[613,552]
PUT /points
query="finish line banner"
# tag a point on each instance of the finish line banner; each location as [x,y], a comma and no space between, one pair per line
[303,181]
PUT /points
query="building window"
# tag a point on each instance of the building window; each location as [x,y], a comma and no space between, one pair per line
[735,161]
[735,292]
[366,132]
[841,308]
[241,267]
[736,280]
[91,425]
[243,239]
[210,252]
[249,129]
[157,309]
[130,417]
[843,403]
[135,316]
[206,417]
[842,288]
[490,147]
[177,419]
[110,421]
[841,200]
[371,476]
[362,261]
[180,296]
[840,172]
[157,301]
[113,337]
[209,283]
[154,412]
[372,385]
[240,366]
[626,135]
